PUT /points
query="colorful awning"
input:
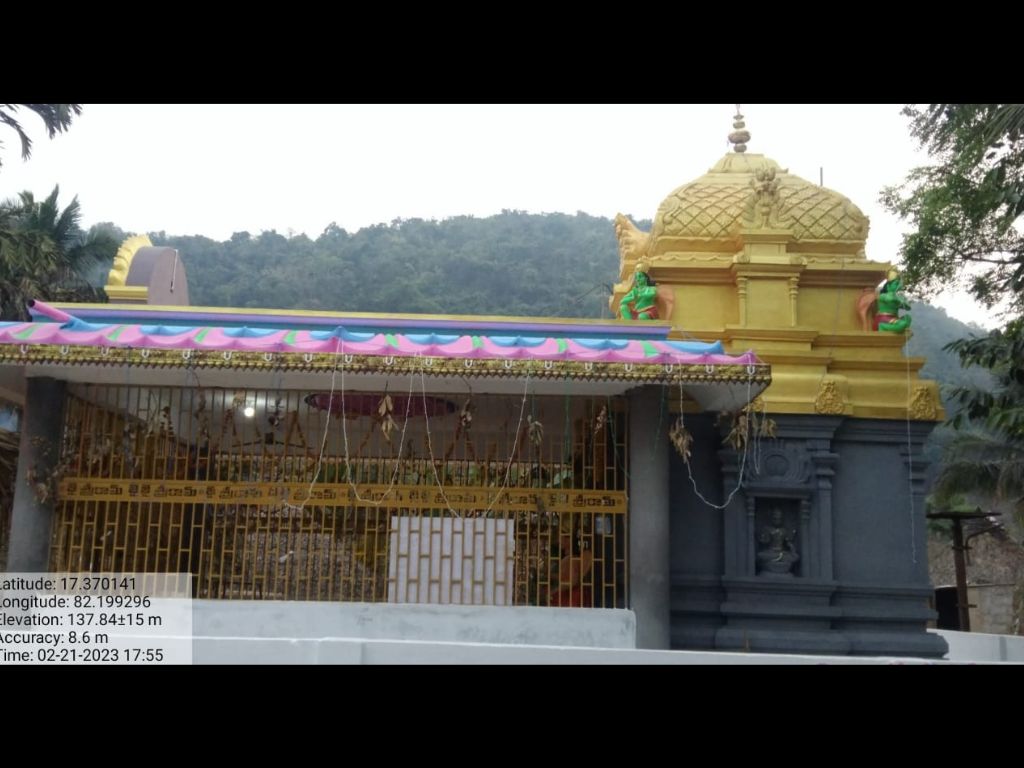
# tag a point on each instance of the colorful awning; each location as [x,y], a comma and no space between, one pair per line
[510,350]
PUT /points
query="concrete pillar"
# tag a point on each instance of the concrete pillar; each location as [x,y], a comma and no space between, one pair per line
[649,518]
[32,520]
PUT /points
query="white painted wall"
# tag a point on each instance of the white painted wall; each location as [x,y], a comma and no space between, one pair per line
[226,650]
[575,627]
[980,648]
[262,632]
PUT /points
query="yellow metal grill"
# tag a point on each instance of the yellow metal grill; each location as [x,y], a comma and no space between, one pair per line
[403,496]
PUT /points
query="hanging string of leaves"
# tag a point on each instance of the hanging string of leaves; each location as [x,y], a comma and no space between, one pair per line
[385,413]
[203,417]
[276,416]
[462,430]
[681,439]
[751,422]
[45,483]
[129,444]
[535,430]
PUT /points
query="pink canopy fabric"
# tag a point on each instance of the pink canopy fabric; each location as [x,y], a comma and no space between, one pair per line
[398,345]
[56,327]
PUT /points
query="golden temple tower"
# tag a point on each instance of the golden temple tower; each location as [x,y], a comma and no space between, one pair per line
[765,260]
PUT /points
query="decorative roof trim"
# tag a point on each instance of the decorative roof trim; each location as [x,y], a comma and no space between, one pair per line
[226,316]
[738,369]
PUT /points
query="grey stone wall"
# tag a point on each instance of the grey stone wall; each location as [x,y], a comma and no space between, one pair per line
[696,539]
[852,577]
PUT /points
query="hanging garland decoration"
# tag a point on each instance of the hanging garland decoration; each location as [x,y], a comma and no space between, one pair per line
[535,430]
[746,424]
[681,439]
[520,430]
[275,417]
[203,417]
[45,484]
[462,429]
[739,437]
[385,409]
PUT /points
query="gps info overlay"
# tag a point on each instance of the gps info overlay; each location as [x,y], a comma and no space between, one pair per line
[95,618]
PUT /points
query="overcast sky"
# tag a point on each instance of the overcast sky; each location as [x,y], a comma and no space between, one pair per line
[218,169]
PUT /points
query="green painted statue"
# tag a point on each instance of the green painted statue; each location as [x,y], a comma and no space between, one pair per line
[890,302]
[639,302]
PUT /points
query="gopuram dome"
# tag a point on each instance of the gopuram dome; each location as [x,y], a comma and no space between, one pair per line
[740,195]
[763,260]
[745,191]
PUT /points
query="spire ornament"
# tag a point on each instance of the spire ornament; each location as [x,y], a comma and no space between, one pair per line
[740,136]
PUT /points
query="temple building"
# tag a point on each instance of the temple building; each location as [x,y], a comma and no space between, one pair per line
[739,467]
[760,259]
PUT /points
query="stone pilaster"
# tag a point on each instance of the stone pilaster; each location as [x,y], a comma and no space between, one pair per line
[33,512]
[648,520]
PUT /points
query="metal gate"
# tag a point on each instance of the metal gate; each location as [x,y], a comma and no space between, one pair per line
[403,496]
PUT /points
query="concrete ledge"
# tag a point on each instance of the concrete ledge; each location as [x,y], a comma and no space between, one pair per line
[302,621]
[244,650]
[981,648]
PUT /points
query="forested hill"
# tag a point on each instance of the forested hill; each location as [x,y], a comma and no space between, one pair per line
[550,265]
[932,330]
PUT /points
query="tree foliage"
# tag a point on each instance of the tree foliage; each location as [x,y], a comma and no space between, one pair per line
[987,457]
[513,263]
[45,254]
[43,250]
[56,118]
[999,407]
[966,208]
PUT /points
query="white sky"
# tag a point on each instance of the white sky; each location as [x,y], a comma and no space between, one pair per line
[217,169]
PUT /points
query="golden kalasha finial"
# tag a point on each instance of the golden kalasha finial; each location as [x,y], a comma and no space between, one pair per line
[740,136]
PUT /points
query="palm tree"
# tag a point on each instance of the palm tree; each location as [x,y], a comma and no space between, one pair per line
[45,254]
[987,456]
[56,117]
[987,464]
[1007,122]
[63,228]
